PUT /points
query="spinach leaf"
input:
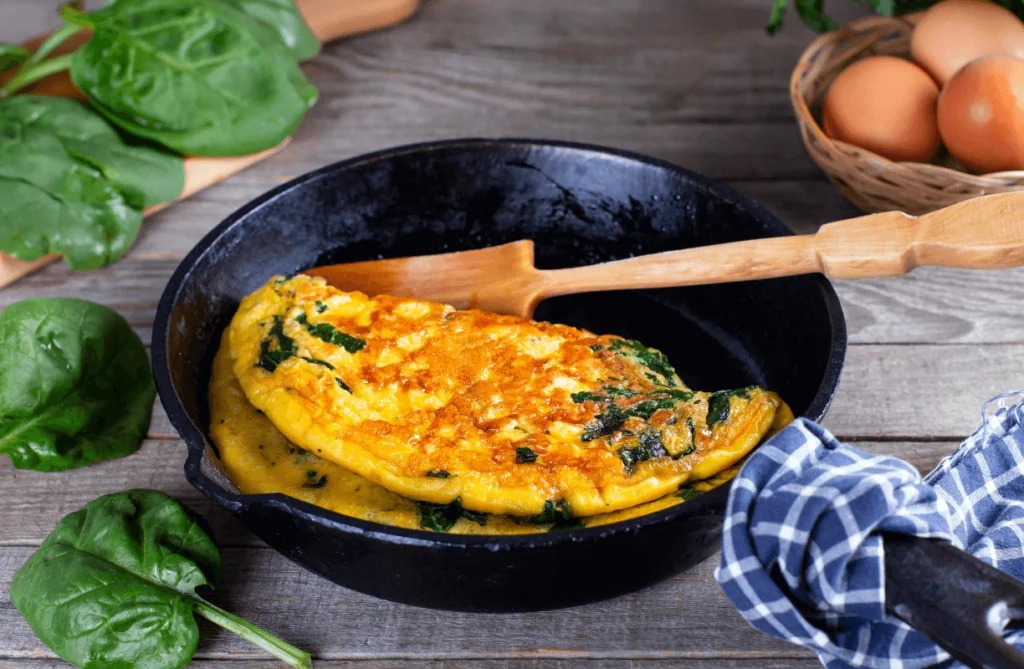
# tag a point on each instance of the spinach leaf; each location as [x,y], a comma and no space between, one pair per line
[277,347]
[650,446]
[558,515]
[284,19]
[75,384]
[197,76]
[525,456]
[587,396]
[604,423]
[613,416]
[656,361]
[312,481]
[475,516]
[11,54]
[322,363]
[332,335]
[49,202]
[686,493]
[718,404]
[144,175]
[442,517]
[114,586]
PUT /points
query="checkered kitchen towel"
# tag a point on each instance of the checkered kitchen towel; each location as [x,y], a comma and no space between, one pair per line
[801,557]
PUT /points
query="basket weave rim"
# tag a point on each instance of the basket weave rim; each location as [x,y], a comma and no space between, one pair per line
[879,24]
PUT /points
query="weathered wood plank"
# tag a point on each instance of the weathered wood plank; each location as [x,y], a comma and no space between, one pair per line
[677,618]
[936,305]
[755,662]
[924,391]
[34,502]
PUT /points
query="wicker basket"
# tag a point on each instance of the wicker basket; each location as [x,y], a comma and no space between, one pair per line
[870,181]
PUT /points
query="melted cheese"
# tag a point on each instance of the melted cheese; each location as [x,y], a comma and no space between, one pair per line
[439,405]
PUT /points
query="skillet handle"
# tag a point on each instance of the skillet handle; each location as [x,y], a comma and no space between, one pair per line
[953,598]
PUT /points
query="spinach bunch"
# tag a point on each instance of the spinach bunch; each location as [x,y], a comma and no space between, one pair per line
[812,12]
[114,586]
[201,77]
[70,184]
[75,384]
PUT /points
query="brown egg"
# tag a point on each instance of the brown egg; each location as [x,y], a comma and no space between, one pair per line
[981,119]
[955,32]
[885,105]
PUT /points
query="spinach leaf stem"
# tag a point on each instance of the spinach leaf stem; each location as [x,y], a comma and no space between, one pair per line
[278,648]
[48,46]
[29,75]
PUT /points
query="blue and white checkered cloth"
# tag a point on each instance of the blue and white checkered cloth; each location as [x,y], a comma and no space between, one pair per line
[801,557]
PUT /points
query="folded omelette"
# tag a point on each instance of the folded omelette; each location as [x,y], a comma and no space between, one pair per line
[479,412]
[259,460]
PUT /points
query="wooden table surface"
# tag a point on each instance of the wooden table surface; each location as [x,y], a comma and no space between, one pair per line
[697,83]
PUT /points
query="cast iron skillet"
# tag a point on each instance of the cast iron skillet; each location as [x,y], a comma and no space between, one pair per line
[580,204]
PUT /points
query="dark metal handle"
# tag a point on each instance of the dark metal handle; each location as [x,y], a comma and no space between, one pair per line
[953,598]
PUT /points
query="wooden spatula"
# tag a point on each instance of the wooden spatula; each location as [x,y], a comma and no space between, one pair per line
[982,233]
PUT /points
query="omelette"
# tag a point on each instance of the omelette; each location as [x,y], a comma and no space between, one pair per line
[260,460]
[496,414]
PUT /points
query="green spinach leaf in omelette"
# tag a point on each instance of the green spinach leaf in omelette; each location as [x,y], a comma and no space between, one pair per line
[718,404]
[442,517]
[114,585]
[332,335]
[75,384]
[558,515]
[277,347]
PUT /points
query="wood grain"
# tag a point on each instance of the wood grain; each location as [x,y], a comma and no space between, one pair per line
[675,619]
[754,662]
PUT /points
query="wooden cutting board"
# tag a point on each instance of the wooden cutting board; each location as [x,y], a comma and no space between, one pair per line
[329,20]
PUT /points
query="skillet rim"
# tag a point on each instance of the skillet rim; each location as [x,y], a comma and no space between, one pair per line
[708,503]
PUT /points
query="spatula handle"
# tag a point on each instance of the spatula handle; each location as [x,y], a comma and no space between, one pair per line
[331,19]
[981,233]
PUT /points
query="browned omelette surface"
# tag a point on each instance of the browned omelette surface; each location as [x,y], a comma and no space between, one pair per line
[508,415]
[258,459]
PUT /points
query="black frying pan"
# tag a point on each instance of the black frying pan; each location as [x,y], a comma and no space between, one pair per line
[580,205]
